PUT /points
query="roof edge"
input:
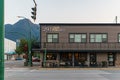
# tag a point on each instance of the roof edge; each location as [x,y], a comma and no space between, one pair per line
[79,23]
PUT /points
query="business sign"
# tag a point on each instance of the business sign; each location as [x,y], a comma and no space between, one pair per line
[52,29]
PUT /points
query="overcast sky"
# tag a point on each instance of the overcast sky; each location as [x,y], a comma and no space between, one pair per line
[65,11]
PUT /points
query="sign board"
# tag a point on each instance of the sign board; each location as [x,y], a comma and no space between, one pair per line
[52,29]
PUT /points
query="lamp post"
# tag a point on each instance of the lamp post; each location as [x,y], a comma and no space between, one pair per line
[1,39]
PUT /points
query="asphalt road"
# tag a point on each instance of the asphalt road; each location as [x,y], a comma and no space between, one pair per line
[26,73]
[14,64]
[18,64]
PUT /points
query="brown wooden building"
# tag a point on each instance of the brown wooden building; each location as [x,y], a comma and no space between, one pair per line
[78,45]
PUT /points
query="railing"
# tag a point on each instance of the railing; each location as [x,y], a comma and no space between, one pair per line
[81,46]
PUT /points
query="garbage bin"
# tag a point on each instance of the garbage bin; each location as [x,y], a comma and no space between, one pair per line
[104,64]
[25,63]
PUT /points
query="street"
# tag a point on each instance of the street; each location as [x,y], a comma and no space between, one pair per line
[26,73]
[14,64]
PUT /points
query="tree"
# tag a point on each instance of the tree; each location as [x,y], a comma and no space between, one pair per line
[22,48]
[18,50]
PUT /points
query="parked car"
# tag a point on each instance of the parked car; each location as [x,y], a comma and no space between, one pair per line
[18,58]
[35,59]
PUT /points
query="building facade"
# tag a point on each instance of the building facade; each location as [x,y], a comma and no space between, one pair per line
[9,48]
[79,45]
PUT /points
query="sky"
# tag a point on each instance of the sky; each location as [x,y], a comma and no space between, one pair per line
[64,11]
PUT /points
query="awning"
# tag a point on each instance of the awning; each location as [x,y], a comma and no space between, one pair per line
[11,52]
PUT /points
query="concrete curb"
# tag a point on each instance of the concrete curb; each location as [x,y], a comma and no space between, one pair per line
[39,68]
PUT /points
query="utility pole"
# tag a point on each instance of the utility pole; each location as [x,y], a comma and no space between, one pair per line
[29,47]
[34,9]
[1,39]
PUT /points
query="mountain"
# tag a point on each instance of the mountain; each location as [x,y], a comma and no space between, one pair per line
[22,29]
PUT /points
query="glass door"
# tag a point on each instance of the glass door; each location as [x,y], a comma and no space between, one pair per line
[111,59]
[93,59]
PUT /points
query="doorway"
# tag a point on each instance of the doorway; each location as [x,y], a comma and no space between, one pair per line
[111,59]
[93,59]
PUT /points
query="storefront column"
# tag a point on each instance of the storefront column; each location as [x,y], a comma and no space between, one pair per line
[58,59]
[41,58]
[117,60]
[88,59]
[73,59]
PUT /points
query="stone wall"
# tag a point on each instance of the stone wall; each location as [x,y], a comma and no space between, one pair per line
[117,61]
[102,57]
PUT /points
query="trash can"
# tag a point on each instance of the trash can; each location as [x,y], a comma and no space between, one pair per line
[104,64]
[25,63]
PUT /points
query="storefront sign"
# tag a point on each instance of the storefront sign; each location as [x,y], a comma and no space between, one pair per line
[53,29]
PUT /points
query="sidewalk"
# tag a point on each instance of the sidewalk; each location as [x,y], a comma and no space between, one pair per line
[20,64]
[108,68]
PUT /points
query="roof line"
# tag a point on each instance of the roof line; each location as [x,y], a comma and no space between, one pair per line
[79,23]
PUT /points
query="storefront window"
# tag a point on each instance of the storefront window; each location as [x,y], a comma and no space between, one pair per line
[51,56]
[81,57]
[66,57]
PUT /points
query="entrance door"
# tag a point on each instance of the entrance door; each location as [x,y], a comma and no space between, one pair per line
[93,59]
[111,59]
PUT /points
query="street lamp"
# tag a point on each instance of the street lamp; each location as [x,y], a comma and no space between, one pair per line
[29,42]
[1,39]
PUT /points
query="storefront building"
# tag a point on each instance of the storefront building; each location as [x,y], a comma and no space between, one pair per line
[80,45]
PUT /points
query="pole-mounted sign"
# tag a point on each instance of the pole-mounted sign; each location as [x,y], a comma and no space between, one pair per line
[1,39]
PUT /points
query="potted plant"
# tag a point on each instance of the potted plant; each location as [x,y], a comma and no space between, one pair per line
[104,63]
